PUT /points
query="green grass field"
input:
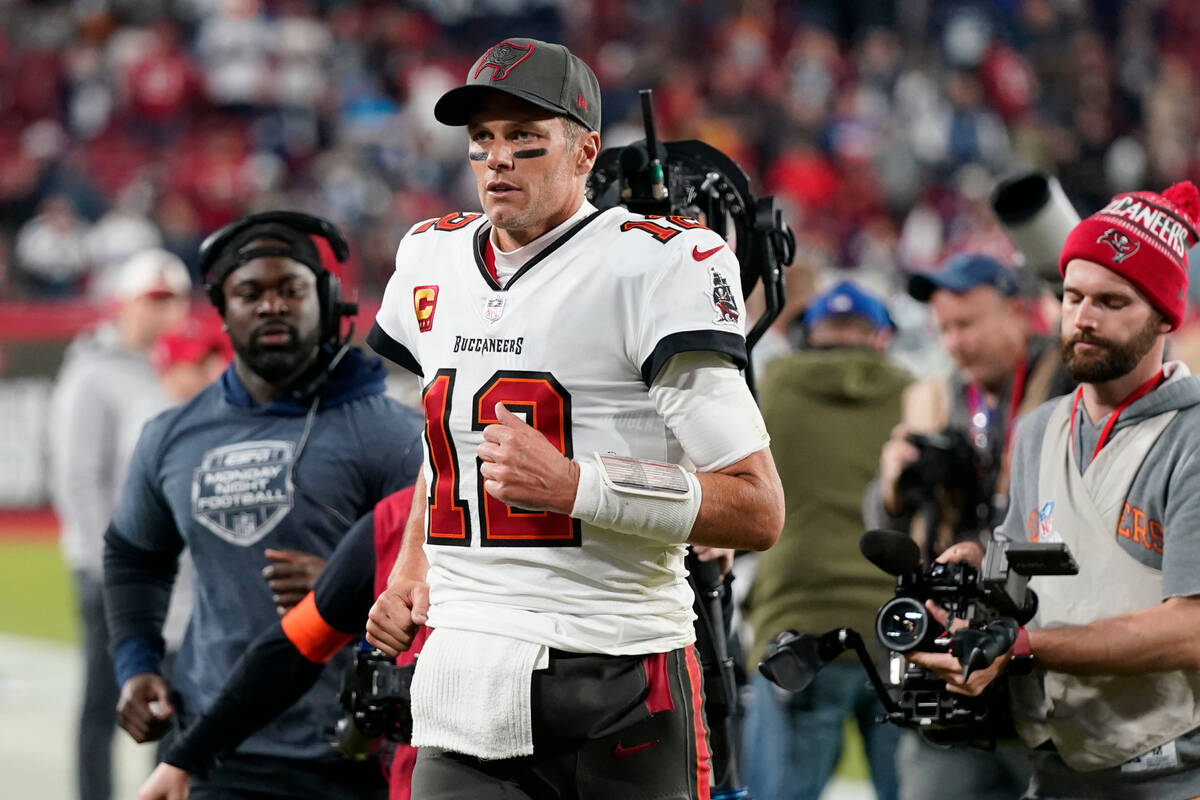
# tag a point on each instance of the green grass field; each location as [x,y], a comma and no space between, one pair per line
[35,590]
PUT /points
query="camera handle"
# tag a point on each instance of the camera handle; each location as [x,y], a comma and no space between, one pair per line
[849,639]
[720,686]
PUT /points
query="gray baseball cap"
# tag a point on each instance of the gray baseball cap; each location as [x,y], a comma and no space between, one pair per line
[548,75]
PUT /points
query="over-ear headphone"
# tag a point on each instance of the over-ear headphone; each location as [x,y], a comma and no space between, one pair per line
[225,250]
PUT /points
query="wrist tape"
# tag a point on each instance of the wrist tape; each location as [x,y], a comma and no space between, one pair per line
[644,498]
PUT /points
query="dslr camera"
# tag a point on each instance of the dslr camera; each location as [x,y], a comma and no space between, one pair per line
[993,601]
[948,464]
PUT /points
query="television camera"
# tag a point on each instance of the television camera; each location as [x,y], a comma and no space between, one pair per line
[991,603]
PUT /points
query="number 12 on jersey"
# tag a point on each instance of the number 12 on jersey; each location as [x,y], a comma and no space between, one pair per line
[547,408]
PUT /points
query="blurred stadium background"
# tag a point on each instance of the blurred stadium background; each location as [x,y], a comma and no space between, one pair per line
[881,126]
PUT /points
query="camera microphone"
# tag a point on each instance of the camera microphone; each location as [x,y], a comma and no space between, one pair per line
[893,552]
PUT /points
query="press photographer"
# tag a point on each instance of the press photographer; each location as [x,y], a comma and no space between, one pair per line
[1002,371]
[1112,707]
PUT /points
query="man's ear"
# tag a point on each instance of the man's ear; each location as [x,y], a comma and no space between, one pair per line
[589,149]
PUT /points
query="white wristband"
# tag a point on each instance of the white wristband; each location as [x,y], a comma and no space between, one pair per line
[666,519]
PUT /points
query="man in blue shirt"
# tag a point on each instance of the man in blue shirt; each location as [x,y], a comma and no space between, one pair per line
[292,444]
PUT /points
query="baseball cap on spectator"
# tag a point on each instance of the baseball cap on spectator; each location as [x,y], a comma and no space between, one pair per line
[548,75]
[846,299]
[961,274]
[151,273]
[1143,237]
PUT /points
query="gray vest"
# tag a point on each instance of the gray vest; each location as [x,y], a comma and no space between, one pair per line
[1098,721]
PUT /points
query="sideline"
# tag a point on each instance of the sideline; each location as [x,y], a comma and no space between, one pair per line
[39,694]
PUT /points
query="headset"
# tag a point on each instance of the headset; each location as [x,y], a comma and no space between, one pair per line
[226,249]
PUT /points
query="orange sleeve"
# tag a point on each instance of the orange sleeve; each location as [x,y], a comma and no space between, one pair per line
[307,630]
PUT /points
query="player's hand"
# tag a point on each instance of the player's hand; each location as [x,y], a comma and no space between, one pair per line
[723,555]
[946,666]
[291,576]
[144,708]
[522,469]
[897,454]
[397,614]
[167,782]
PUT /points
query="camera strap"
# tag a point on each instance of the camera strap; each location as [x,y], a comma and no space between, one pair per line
[981,415]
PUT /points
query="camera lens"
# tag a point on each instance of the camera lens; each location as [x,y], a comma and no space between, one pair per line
[902,624]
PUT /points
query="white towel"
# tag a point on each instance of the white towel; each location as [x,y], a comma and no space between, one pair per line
[471,693]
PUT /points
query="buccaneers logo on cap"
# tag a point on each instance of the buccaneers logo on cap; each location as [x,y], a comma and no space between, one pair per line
[1123,246]
[502,58]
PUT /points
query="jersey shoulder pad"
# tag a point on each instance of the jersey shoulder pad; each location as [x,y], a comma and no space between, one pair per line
[443,235]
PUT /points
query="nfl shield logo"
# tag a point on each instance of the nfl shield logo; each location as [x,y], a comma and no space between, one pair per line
[494,308]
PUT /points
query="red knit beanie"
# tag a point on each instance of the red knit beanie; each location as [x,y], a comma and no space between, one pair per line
[1143,237]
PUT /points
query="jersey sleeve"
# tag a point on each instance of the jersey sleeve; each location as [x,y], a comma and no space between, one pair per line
[695,303]
[394,333]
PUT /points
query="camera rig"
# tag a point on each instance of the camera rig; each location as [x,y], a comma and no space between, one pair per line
[690,178]
[993,602]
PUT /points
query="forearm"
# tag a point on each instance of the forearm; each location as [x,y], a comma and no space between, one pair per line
[267,679]
[411,561]
[1159,639]
[875,511]
[741,506]
[137,589]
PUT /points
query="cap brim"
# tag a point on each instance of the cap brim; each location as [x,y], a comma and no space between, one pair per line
[921,286]
[455,106]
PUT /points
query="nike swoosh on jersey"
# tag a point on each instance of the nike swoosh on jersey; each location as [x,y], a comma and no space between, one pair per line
[700,255]
[620,751]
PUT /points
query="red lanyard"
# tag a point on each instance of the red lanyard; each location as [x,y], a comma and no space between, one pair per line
[1112,419]
[976,405]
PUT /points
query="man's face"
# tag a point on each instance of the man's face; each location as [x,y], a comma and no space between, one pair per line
[273,316]
[1107,326]
[528,175]
[982,330]
[150,316]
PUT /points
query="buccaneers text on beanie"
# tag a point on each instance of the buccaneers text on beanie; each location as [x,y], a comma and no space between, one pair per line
[1143,237]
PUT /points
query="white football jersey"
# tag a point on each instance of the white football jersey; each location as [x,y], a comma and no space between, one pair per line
[572,342]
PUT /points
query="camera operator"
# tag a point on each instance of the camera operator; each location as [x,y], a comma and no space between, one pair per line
[1112,707]
[1002,372]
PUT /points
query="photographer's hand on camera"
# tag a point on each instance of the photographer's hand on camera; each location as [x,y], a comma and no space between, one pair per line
[144,708]
[167,782]
[969,551]
[898,453]
[946,666]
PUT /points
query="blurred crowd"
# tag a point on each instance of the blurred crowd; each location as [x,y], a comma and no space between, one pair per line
[882,126]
